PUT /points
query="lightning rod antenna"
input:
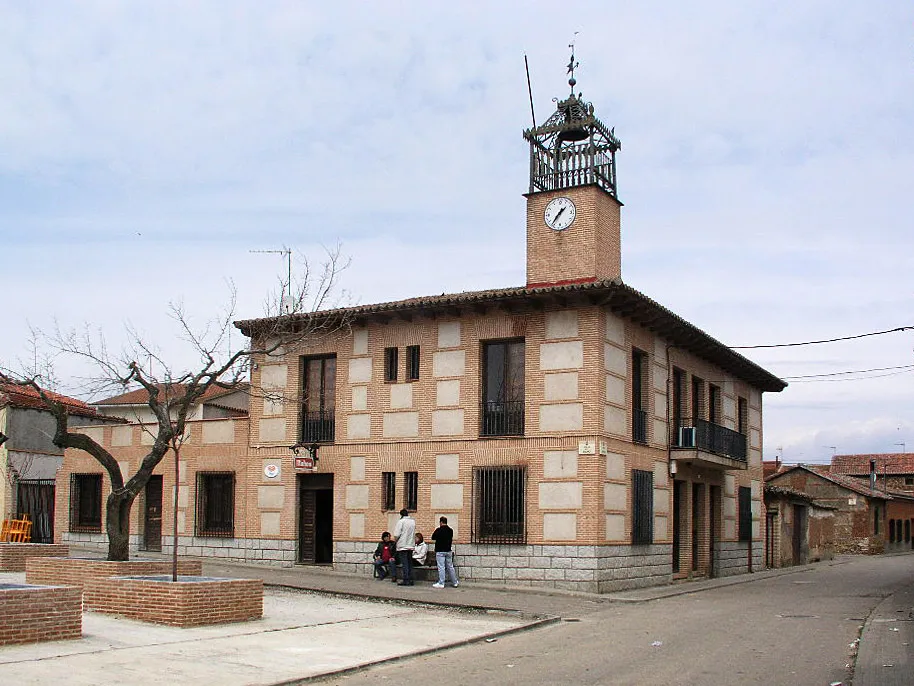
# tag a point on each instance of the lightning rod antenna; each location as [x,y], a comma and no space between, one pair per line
[529,90]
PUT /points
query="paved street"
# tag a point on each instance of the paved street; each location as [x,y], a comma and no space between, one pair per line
[799,628]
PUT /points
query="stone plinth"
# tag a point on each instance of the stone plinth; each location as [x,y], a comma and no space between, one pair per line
[13,555]
[75,571]
[29,614]
[189,601]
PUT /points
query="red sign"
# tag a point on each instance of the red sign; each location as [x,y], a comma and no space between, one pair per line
[306,463]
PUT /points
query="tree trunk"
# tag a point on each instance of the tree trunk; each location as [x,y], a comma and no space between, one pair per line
[118,525]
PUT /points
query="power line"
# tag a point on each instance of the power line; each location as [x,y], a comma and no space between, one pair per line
[856,371]
[856,378]
[827,340]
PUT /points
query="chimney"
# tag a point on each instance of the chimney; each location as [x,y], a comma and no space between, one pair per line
[873,474]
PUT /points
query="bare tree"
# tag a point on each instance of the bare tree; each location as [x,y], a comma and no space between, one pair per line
[172,393]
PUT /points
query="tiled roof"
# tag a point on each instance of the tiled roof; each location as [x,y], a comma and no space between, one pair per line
[621,299]
[25,397]
[794,493]
[848,482]
[888,463]
[139,396]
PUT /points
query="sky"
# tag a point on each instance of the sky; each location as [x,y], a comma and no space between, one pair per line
[767,170]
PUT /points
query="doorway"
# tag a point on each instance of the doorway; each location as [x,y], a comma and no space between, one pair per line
[799,534]
[698,517]
[677,526]
[315,519]
[36,499]
[713,523]
[152,518]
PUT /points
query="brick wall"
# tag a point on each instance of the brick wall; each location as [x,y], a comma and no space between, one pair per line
[182,603]
[71,571]
[31,614]
[13,555]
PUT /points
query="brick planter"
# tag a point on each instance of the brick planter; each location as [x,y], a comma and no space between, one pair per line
[13,555]
[75,571]
[190,601]
[39,613]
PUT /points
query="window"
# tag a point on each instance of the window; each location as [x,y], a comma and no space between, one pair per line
[891,531]
[715,406]
[742,419]
[909,481]
[86,503]
[391,359]
[412,362]
[639,396]
[745,513]
[498,513]
[216,504]
[411,485]
[907,530]
[388,491]
[318,399]
[698,400]
[502,412]
[642,506]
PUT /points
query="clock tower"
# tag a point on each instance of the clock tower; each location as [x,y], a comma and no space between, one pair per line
[573,230]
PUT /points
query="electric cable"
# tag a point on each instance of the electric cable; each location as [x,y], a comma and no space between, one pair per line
[827,340]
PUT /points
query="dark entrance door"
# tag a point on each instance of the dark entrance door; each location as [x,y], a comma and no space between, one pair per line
[152,526]
[677,525]
[697,519]
[36,499]
[713,518]
[315,518]
[799,534]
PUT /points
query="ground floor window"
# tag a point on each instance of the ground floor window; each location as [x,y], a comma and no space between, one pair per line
[642,506]
[86,503]
[216,504]
[498,504]
[745,513]
[388,491]
[411,486]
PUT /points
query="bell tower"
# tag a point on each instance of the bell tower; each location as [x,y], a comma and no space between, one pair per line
[573,212]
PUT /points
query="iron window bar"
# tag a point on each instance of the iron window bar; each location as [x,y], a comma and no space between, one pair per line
[712,438]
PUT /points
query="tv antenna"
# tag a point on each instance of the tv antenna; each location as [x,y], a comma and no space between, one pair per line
[287,305]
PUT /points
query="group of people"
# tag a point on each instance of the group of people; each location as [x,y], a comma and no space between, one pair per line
[407,547]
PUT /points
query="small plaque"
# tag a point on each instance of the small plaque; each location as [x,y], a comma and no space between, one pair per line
[604,451]
[586,448]
[271,471]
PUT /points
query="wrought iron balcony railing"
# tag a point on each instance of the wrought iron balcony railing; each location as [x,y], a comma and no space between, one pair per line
[502,419]
[317,427]
[713,438]
[639,426]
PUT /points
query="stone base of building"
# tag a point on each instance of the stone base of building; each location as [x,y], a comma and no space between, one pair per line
[13,555]
[272,551]
[76,571]
[189,601]
[733,558]
[29,614]
[594,569]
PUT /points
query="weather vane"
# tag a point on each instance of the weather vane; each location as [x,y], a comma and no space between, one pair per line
[572,65]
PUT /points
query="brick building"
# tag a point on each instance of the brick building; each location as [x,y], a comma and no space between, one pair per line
[576,433]
[798,528]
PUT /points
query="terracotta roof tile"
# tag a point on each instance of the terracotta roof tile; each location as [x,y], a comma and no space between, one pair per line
[139,396]
[26,397]
[889,463]
[852,484]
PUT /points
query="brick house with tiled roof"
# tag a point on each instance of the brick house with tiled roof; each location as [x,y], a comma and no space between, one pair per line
[576,433]
[216,403]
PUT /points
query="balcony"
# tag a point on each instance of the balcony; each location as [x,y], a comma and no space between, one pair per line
[701,441]
[318,426]
[502,419]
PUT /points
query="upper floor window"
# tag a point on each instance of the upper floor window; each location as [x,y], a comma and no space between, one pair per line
[318,399]
[698,399]
[391,362]
[715,404]
[86,503]
[412,362]
[639,395]
[502,412]
[742,416]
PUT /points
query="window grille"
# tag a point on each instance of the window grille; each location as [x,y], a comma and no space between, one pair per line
[498,498]
[86,503]
[745,513]
[389,490]
[412,362]
[411,486]
[639,399]
[642,506]
[390,364]
[216,504]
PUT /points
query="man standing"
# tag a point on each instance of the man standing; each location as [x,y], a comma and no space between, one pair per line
[405,536]
[443,537]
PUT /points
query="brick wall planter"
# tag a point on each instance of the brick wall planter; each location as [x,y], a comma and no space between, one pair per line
[39,613]
[75,571]
[13,555]
[190,601]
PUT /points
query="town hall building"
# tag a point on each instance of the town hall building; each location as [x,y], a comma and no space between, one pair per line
[576,433]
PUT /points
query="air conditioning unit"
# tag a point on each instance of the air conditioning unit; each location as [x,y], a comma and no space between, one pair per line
[686,436]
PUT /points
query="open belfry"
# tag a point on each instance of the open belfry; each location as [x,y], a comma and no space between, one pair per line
[575,433]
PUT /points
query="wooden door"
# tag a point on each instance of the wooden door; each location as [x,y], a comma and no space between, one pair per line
[152,522]
[315,518]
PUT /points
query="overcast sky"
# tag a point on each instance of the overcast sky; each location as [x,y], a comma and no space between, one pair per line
[767,168]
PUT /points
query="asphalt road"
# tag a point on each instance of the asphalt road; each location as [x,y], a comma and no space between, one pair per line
[793,629]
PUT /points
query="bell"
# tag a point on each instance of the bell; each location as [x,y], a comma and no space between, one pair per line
[574,135]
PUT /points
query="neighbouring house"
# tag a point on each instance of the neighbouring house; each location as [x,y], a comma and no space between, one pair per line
[576,433]
[216,403]
[29,460]
[798,529]
[861,511]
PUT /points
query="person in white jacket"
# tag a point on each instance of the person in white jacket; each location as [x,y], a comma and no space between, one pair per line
[421,550]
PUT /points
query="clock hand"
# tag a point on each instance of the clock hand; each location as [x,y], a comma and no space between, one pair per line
[556,217]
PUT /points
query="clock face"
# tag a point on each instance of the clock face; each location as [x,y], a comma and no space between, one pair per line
[559,213]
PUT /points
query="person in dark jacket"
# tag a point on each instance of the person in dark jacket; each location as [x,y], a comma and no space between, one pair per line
[443,537]
[385,559]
